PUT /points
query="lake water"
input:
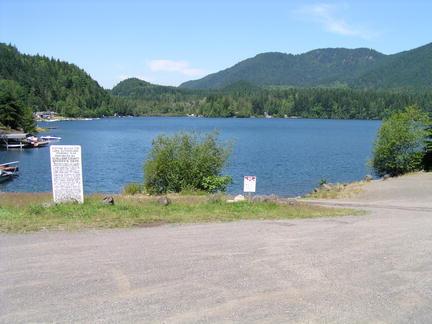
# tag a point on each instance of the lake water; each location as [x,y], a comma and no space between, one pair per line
[288,156]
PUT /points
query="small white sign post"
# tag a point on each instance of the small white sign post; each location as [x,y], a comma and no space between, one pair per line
[66,173]
[249,184]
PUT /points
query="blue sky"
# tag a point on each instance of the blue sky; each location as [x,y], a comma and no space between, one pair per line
[168,42]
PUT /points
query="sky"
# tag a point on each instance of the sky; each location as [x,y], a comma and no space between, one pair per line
[168,42]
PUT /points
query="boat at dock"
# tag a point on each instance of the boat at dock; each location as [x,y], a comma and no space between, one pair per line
[35,141]
[21,141]
[10,166]
[8,171]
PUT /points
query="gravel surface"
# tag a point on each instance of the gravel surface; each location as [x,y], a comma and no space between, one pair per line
[372,268]
[410,192]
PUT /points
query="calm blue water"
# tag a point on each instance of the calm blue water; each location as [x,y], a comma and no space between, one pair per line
[288,156]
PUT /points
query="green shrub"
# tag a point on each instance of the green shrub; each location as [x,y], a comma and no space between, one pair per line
[400,145]
[185,162]
[322,182]
[132,188]
[216,183]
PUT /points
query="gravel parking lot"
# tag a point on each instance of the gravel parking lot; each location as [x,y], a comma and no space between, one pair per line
[372,268]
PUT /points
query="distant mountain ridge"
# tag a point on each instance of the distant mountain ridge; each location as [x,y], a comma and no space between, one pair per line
[329,67]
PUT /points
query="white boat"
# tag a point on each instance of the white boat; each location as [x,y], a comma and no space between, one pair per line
[50,138]
[5,176]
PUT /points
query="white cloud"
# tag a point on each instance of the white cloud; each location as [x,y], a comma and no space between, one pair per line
[327,15]
[182,67]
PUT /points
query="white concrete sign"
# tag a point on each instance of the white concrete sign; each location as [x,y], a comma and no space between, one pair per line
[249,184]
[66,173]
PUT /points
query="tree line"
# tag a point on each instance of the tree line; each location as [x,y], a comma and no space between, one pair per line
[337,103]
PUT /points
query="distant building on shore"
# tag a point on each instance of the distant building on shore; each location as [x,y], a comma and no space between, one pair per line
[45,115]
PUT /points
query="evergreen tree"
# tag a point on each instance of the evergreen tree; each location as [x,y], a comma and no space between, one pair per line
[13,113]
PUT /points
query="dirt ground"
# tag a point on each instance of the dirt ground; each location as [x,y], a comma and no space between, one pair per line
[371,268]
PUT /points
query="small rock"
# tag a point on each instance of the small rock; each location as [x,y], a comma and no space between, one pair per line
[368,178]
[108,200]
[239,198]
[292,201]
[326,186]
[259,198]
[273,198]
[386,176]
[164,201]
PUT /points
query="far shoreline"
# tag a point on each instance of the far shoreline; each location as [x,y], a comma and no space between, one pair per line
[195,117]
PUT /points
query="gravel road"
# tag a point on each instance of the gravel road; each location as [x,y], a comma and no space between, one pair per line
[372,268]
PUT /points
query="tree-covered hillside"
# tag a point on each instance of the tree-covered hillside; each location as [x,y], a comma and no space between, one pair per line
[137,97]
[50,84]
[407,70]
[330,67]
[135,88]
[242,99]
[14,113]
[35,83]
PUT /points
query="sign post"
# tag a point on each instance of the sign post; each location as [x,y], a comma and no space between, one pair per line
[66,173]
[249,184]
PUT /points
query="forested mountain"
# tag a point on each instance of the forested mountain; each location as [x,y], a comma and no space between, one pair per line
[139,89]
[35,83]
[330,67]
[50,84]
[137,97]
[406,70]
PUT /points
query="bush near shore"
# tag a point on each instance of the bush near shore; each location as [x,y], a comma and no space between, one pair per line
[186,162]
[402,143]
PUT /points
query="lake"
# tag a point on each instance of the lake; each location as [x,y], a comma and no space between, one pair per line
[288,156]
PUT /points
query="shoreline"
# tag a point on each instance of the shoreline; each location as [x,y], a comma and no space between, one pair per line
[29,212]
[200,117]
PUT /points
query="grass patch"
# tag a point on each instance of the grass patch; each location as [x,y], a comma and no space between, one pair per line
[140,210]
[337,191]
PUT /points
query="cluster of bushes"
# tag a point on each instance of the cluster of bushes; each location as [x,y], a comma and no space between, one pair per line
[404,143]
